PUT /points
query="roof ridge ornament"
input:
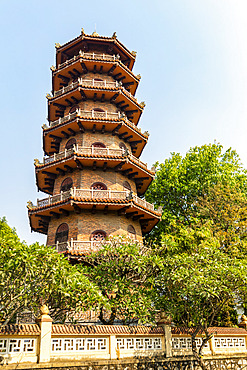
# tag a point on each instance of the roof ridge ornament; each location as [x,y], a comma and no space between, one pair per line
[134,53]
[114,36]
[57,45]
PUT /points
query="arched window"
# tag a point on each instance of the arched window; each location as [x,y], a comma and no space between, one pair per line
[123,147]
[66,184]
[98,186]
[126,185]
[98,112]
[131,230]
[98,145]
[73,109]
[62,233]
[98,235]
[70,143]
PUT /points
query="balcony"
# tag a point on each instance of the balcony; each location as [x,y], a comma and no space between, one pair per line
[94,56]
[83,114]
[94,83]
[92,194]
[91,151]
[77,246]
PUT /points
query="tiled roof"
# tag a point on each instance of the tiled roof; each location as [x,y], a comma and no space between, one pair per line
[105,329]
[212,330]
[22,329]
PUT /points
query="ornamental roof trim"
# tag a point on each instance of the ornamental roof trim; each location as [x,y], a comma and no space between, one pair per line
[21,329]
[211,330]
[84,36]
[58,329]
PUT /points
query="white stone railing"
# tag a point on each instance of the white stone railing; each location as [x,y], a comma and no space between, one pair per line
[83,150]
[216,345]
[85,55]
[86,114]
[87,83]
[92,151]
[88,194]
[49,343]
[97,115]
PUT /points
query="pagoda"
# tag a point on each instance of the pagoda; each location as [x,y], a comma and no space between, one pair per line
[91,171]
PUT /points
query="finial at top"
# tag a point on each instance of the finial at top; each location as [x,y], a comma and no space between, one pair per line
[82,31]
[95,33]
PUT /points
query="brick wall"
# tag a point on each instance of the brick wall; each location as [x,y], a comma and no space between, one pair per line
[82,225]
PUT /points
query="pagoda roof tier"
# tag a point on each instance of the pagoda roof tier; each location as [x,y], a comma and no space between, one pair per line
[97,63]
[104,159]
[83,90]
[76,200]
[93,42]
[81,121]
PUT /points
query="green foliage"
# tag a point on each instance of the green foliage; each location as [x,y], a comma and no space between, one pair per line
[181,180]
[122,272]
[36,274]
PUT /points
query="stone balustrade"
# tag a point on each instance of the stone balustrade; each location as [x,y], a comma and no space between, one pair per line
[95,56]
[91,151]
[48,343]
[87,83]
[93,114]
[87,194]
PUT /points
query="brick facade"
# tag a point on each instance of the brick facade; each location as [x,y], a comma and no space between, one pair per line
[119,185]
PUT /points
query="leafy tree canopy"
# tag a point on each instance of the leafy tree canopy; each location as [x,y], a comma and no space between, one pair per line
[180,181]
[123,272]
[35,274]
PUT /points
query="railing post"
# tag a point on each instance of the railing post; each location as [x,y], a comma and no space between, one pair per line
[65,152]
[45,324]
[61,195]
[166,325]
[212,345]
[113,347]
[49,200]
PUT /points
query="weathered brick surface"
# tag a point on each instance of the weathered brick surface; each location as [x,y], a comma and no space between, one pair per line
[82,225]
[84,180]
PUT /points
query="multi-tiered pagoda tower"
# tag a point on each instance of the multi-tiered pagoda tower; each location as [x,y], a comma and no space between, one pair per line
[92,171]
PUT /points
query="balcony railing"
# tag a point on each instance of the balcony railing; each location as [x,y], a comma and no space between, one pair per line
[94,114]
[88,194]
[87,246]
[95,56]
[83,150]
[88,83]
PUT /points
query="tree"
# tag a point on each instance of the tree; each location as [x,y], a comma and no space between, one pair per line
[196,285]
[181,180]
[123,272]
[36,274]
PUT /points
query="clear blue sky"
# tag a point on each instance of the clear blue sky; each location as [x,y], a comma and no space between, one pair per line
[192,55]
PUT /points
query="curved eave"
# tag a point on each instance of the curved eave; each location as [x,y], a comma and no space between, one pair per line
[129,208]
[46,173]
[84,41]
[52,135]
[86,64]
[117,96]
